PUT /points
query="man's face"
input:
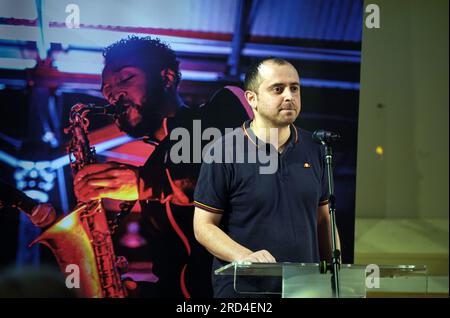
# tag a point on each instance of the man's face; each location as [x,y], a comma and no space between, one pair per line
[137,97]
[278,98]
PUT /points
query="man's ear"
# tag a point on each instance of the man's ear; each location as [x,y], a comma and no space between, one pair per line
[168,77]
[252,99]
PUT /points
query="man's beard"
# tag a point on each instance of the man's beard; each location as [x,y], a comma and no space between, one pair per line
[151,116]
[277,120]
[150,122]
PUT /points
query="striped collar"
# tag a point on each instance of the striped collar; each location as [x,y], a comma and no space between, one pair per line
[256,141]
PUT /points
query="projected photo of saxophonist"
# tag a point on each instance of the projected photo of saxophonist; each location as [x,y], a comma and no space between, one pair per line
[140,78]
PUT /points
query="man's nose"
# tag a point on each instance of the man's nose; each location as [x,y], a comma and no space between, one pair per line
[288,95]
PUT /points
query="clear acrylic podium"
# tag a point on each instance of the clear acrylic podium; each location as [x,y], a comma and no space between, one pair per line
[304,280]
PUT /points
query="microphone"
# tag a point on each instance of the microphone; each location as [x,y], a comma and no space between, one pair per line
[108,109]
[323,136]
[80,108]
[42,215]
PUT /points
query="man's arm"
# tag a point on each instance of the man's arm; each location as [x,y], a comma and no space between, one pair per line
[324,233]
[218,243]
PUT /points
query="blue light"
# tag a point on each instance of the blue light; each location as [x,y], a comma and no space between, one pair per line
[124,156]
[60,162]
[79,67]
[33,173]
[42,44]
[200,76]
[315,82]
[40,196]
[42,165]
[323,83]
[21,184]
[8,159]
[112,143]
[62,190]
[16,64]
[19,174]
[307,56]
[46,186]
[48,177]
[27,165]
[49,137]
[99,148]
[43,173]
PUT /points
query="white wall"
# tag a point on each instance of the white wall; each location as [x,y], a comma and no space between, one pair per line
[405,70]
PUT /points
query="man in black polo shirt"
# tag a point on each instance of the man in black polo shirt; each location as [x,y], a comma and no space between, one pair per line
[273,210]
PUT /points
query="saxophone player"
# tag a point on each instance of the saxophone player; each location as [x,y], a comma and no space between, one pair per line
[141,78]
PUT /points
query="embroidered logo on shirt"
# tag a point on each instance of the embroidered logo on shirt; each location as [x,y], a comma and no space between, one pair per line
[306,165]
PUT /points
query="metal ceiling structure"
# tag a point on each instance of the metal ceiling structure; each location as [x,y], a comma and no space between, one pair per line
[225,33]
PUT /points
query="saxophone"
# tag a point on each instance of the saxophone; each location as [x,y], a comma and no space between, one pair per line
[83,237]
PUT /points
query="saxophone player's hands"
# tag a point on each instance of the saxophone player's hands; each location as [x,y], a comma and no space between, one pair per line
[107,180]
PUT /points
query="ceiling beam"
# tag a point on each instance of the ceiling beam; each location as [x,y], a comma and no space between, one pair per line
[240,32]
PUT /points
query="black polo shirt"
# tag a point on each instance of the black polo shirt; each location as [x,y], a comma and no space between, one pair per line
[273,211]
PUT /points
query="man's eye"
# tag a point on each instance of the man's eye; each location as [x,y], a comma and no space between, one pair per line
[294,88]
[277,89]
[127,78]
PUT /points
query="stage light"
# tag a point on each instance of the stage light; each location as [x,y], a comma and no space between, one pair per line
[379,151]
[200,76]
[79,67]
[40,196]
[16,63]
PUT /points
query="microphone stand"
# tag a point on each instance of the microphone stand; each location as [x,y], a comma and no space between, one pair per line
[335,259]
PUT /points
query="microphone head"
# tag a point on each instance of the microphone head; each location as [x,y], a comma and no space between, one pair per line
[322,136]
[108,110]
[43,215]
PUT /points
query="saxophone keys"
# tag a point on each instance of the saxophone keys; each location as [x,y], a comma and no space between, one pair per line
[122,264]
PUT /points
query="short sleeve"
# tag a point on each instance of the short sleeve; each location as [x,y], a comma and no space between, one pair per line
[212,190]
